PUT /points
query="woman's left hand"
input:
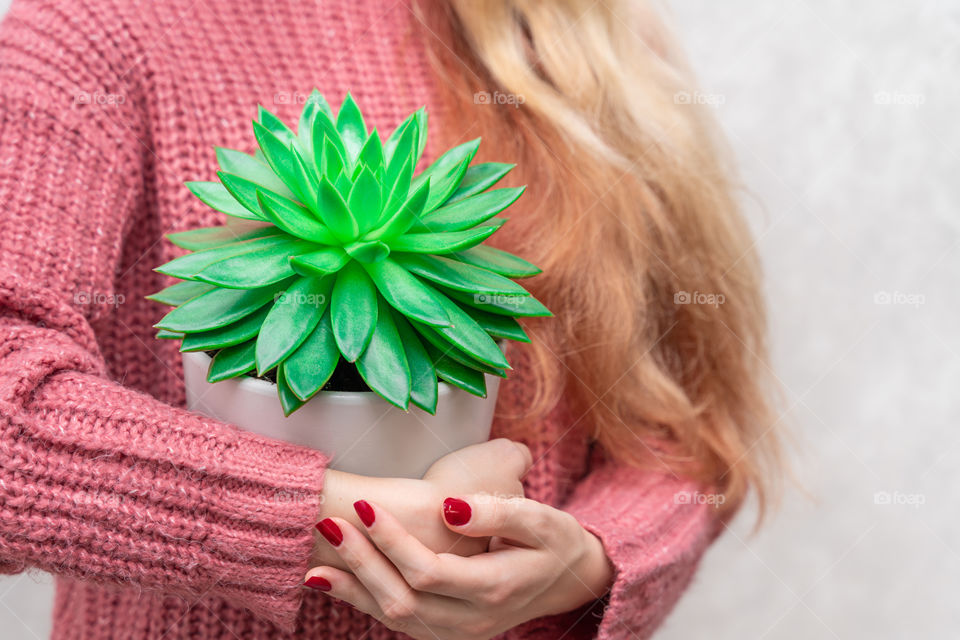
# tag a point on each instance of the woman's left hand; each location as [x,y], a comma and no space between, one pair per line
[540,562]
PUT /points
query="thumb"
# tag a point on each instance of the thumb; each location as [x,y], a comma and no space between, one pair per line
[522,520]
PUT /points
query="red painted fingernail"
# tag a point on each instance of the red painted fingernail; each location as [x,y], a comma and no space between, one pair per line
[365,512]
[456,511]
[330,531]
[318,583]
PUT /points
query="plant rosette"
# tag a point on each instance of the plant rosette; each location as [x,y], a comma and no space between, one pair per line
[343,288]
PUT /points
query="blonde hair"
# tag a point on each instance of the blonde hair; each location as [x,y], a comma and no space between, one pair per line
[630,205]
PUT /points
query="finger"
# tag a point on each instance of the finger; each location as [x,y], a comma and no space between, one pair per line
[399,603]
[508,457]
[425,571]
[343,586]
[527,522]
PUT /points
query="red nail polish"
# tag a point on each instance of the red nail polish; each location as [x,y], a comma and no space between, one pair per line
[318,583]
[456,511]
[364,512]
[330,531]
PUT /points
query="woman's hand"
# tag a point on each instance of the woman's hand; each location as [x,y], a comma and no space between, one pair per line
[540,562]
[491,467]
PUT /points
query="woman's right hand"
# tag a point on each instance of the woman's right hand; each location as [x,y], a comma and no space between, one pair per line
[494,467]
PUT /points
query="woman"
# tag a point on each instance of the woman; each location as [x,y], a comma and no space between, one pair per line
[638,414]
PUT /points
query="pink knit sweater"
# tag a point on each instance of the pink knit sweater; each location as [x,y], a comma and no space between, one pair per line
[162,523]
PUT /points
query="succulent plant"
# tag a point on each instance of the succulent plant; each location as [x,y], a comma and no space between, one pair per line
[335,251]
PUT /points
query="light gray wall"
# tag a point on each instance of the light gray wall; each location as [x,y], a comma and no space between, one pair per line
[842,115]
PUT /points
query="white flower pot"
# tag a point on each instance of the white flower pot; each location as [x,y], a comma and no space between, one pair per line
[359,430]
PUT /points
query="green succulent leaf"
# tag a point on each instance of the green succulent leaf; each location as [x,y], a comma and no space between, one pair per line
[315,105]
[498,326]
[354,310]
[406,293]
[286,161]
[276,126]
[187,266]
[505,305]
[404,141]
[447,172]
[452,372]
[332,161]
[232,362]
[216,309]
[397,192]
[335,213]
[256,269]
[320,262]
[352,129]
[371,155]
[364,200]
[370,251]
[469,212]
[403,219]
[293,218]
[308,368]
[251,169]
[423,374]
[458,275]
[383,364]
[465,334]
[441,242]
[240,331]
[176,294]
[216,196]
[431,336]
[402,153]
[501,262]
[245,191]
[478,178]
[288,399]
[211,237]
[291,320]
[163,334]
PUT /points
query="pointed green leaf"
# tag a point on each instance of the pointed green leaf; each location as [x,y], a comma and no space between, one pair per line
[176,294]
[163,334]
[469,212]
[406,293]
[405,217]
[441,242]
[291,320]
[423,374]
[276,126]
[288,399]
[314,105]
[354,309]
[294,218]
[469,336]
[251,169]
[447,172]
[383,364]
[216,309]
[232,362]
[368,251]
[504,305]
[451,371]
[352,129]
[287,163]
[332,161]
[431,336]
[364,200]
[210,237]
[398,191]
[240,331]
[498,326]
[501,262]
[322,262]
[334,212]
[245,191]
[216,196]
[308,368]
[458,275]
[187,266]
[400,150]
[252,270]
[479,178]
[371,155]
[327,146]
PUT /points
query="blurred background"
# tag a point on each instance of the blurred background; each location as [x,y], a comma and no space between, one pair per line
[841,115]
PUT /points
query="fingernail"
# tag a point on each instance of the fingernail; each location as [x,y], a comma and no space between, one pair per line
[318,583]
[330,531]
[365,512]
[456,511]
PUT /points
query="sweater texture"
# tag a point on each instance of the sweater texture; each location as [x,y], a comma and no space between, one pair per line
[161,523]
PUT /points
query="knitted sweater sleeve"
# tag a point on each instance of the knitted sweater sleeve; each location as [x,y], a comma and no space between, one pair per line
[654,530]
[97,481]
